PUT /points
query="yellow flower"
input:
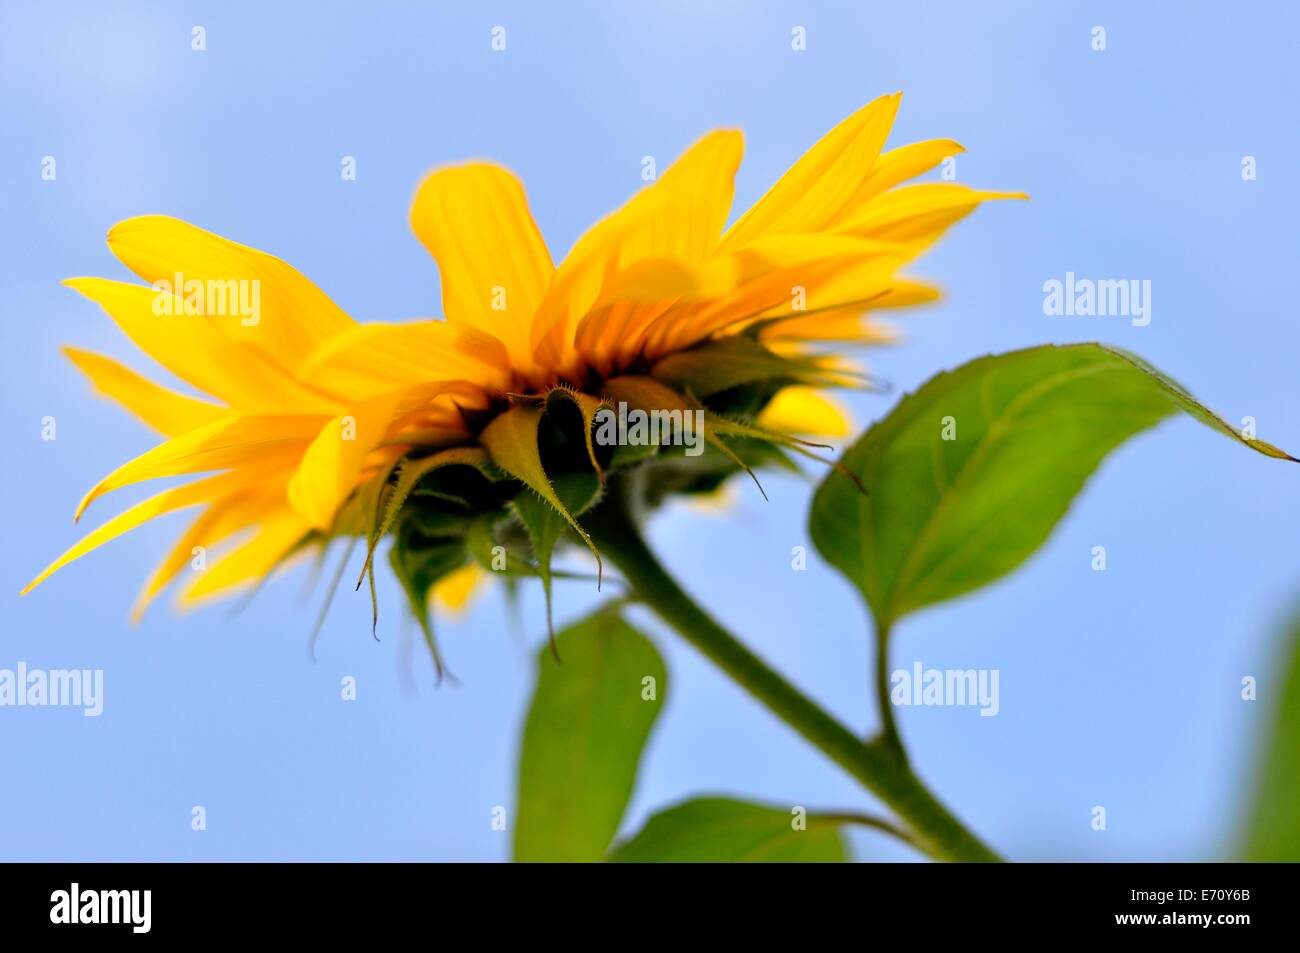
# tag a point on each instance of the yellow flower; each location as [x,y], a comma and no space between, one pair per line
[319,426]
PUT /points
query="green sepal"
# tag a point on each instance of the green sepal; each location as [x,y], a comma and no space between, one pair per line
[419,564]
[577,492]
[736,361]
[512,441]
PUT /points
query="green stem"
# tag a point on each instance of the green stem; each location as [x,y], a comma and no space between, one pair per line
[868,820]
[889,737]
[877,767]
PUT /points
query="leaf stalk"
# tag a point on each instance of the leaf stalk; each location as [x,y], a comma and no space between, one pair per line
[935,831]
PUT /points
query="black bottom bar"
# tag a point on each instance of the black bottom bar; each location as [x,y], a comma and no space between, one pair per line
[332,901]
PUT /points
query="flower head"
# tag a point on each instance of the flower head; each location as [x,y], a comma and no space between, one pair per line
[433,431]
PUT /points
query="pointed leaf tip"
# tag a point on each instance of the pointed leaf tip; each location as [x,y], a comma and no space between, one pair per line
[511,441]
[970,474]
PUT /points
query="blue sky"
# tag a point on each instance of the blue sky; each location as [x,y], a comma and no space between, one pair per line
[1118,689]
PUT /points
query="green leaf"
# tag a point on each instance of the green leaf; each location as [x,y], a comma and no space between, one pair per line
[1194,407]
[587,724]
[722,830]
[942,517]
[1273,832]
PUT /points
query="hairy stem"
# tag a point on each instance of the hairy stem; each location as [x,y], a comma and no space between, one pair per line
[934,830]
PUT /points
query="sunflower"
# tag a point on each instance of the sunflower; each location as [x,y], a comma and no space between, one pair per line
[473,441]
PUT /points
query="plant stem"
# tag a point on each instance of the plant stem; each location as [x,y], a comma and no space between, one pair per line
[888,737]
[934,829]
[867,820]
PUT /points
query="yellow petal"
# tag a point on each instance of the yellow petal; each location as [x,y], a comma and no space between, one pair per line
[849,325]
[493,263]
[907,294]
[197,351]
[817,188]
[176,498]
[918,214]
[716,502]
[275,539]
[906,162]
[614,329]
[328,472]
[654,279]
[679,216]
[376,358]
[164,410]
[612,333]
[806,411]
[794,273]
[221,519]
[845,283]
[292,316]
[853,325]
[791,251]
[454,591]
[817,286]
[683,213]
[235,442]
